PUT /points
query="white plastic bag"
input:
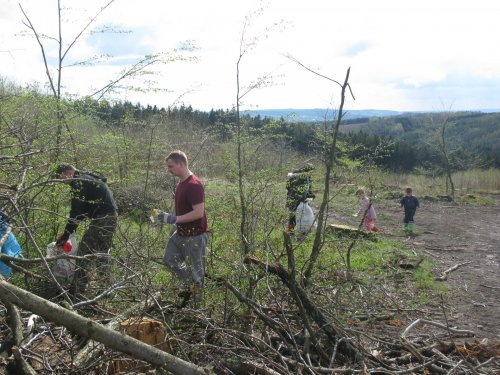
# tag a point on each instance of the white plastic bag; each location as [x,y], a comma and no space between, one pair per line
[304,218]
[63,269]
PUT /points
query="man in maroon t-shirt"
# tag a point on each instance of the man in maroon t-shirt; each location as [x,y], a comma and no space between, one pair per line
[187,244]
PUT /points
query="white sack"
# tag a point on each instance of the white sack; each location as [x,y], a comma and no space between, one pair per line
[63,269]
[304,217]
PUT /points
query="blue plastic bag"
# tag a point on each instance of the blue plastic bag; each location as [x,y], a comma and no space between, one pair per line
[10,247]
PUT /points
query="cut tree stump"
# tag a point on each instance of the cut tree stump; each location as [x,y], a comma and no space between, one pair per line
[149,331]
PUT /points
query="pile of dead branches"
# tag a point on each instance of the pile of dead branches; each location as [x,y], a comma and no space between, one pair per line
[285,332]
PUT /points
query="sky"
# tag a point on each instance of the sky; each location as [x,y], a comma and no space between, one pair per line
[403,55]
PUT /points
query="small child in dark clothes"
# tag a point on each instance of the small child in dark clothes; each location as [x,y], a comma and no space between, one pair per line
[410,204]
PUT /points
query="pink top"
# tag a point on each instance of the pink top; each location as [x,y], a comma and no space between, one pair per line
[365,203]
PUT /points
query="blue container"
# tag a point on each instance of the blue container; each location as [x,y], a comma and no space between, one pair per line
[10,247]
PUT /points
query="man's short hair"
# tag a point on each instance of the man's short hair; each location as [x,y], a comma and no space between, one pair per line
[178,157]
[409,190]
[63,168]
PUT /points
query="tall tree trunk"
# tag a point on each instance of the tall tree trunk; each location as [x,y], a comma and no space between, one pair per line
[329,162]
[447,162]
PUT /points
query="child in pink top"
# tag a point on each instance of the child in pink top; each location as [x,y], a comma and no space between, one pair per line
[367,207]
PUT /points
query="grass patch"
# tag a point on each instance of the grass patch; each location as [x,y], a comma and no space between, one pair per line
[475,200]
[162,277]
[371,257]
[425,279]
[470,181]
[423,298]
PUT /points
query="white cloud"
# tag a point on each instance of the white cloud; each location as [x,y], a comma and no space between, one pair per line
[396,50]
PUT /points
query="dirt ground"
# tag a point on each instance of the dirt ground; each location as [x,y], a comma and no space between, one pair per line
[463,235]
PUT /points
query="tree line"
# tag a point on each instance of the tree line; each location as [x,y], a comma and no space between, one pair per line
[405,143]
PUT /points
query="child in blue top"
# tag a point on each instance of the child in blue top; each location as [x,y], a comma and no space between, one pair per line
[410,204]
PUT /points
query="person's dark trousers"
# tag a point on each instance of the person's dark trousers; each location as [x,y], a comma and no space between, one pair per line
[292,208]
[97,239]
[409,216]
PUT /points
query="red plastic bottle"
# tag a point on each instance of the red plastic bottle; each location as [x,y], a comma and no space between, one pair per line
[67,247]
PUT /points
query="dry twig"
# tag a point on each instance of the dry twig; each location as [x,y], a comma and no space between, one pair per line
[445,273]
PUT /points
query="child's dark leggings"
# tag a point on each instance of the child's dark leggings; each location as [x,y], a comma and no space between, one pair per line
[409,216]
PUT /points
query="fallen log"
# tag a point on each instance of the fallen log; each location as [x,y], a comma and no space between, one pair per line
[445,273]
[490,286]
[420,322]
[348,231]
[91,349]
[89,328]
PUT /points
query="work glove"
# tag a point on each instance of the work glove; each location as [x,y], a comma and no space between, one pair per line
[164,217]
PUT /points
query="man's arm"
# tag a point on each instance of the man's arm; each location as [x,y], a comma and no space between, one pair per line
[77,212]
[197,213]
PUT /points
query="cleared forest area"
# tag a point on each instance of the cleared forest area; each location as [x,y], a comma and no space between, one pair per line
[368,304]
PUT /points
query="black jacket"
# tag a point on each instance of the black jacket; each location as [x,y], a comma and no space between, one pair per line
[91,198]
[410,203]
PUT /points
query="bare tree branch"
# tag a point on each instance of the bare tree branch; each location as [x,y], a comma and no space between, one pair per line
[42,49]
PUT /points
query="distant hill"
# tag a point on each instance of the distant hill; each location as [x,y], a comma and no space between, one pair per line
[318,114]
[471,136]
[474,132]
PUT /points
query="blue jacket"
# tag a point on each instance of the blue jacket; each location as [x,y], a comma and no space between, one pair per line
[10,247]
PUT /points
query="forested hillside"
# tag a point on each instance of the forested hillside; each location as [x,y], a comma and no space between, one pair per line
[472,137]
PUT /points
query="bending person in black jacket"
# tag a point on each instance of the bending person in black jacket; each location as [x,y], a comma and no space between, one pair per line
[91,199]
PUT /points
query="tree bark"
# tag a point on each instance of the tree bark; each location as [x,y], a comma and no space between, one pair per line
[88,328]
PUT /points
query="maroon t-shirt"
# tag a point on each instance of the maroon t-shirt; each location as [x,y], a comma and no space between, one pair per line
[187,194]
